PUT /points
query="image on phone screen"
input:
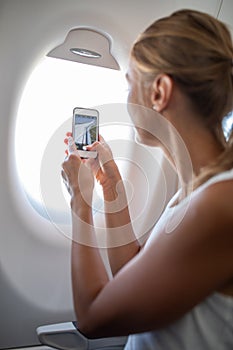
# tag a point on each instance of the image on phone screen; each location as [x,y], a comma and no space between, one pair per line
[85,130]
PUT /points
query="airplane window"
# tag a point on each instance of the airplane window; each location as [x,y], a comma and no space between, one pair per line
[54,88]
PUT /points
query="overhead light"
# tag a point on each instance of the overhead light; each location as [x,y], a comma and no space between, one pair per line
[85,52]
[88,46]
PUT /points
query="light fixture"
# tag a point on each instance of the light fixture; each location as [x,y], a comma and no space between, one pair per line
[85,52]
[88,46]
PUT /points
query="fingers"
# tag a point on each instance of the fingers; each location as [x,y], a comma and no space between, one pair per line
[101,139]
[71,145]
[70,163]
[75,175]
[89,147]
[95,145]
[69,141]
[70,169]
[95,165]
[68,134]
[65,181]
[101,147]
[63,174]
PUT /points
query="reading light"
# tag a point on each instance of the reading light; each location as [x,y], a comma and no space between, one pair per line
[88,46]
[85,53]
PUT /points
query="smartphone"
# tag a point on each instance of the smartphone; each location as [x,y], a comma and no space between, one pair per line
[85,130]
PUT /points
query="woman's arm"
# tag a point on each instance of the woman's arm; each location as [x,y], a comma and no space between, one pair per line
[167,278]
[121,240]
[88,273]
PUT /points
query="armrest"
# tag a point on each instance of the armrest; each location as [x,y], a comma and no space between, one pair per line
[65,336]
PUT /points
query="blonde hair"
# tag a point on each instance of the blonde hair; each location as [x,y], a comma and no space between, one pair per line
[196,50]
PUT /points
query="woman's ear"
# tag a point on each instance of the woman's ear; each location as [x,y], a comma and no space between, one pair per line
[161,92]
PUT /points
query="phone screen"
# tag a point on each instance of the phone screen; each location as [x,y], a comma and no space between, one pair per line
[85,127]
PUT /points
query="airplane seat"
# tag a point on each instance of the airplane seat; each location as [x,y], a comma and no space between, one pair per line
[66,336]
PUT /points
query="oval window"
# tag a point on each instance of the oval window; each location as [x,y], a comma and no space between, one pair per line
[54,88]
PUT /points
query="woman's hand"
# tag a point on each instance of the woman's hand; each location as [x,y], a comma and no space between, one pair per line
[77,177]
[103,166]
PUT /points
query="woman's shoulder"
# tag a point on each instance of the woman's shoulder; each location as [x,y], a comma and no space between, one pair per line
[216,201]
[207,215]
[210,214]
[206,212]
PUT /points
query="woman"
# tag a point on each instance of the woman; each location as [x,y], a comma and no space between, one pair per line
[176,292]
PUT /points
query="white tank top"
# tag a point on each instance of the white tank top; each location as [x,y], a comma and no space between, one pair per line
[209,325]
